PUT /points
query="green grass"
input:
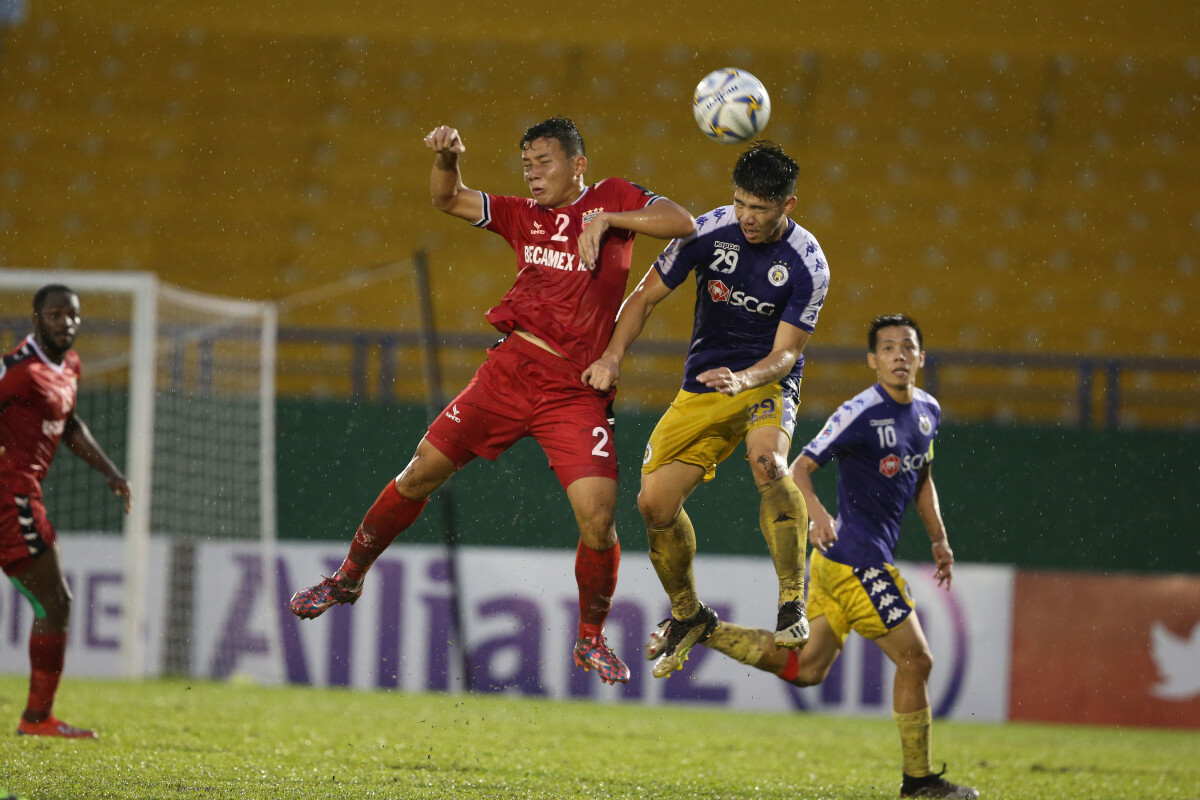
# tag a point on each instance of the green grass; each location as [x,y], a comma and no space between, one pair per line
[170,739]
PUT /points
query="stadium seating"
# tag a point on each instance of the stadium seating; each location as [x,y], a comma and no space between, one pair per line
[1012,198]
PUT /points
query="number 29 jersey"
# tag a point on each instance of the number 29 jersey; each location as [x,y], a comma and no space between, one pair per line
[743,291]
[881,446]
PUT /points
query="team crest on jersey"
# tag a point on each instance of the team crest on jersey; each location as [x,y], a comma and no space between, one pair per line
[589,214]
[925,424]
[778,274]
[649,454]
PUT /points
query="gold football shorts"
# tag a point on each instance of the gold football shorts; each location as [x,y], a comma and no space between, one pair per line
[871,601]
[704,429]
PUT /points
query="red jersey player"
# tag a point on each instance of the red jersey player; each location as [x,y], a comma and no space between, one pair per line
[573,244]
[38,382]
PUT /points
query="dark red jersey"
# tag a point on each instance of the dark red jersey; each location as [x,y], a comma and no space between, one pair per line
[555,297]
[37,397]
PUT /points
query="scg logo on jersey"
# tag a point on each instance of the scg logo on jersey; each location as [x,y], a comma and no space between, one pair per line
[720,293]
[892,465]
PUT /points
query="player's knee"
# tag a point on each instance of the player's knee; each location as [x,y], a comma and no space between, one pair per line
[656,513]
[767,465]
[916,666]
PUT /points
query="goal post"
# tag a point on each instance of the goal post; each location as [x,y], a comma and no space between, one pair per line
[179,388]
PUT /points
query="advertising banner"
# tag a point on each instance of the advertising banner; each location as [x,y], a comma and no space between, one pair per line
[1112,650]
[520,611]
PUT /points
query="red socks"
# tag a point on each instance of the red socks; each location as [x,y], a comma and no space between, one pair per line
[596,575]
[47,652]
[391,513]
[792,669]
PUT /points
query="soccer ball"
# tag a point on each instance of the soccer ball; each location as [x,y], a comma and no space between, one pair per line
[731,105]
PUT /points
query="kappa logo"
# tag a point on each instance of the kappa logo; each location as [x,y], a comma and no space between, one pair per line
[890,466]
[453,413]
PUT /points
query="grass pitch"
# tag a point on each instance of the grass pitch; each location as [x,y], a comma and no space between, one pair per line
[164,740]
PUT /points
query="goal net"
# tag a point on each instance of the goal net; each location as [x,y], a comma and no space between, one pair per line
[178,387]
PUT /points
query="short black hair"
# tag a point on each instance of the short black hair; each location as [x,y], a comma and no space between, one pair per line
[559,128]
[39,299]
[765,171]
[887,321]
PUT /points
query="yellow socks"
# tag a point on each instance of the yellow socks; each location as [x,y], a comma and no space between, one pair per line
[783,518]
[736,641]
[914,740]
[672,551]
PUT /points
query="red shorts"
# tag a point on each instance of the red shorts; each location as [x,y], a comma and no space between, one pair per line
[523,390]
[25,531]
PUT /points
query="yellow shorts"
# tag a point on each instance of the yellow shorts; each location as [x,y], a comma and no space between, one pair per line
[703,429]
[869,600]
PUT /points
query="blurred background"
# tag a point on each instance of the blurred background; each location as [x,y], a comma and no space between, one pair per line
[1026,182]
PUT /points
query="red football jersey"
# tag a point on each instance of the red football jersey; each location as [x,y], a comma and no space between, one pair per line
[37,397]
[571,308]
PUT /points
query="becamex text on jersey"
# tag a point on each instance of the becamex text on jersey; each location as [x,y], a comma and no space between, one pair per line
[555,297]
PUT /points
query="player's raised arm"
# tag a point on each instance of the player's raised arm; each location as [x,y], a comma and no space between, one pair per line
[785,352]
[78,437]
[926,501]
[604,371]
[448,191]
[662,219]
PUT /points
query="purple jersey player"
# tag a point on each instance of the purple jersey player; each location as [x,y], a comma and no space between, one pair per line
[761,280]
[883,441]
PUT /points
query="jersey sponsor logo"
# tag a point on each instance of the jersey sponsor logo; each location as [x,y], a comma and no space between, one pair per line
[892,465]
[727,246]
[925,424]
[720,293]
[876,423]
[778,274]
[537,229]
[548,257]
[453,413]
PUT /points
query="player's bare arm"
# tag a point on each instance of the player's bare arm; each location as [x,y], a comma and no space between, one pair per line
[446,187]
[926,501]
[604,371]
[662,219]
[821,531]
[789,344]
[78,437]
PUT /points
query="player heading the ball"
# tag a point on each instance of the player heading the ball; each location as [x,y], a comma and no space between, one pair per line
[573,244]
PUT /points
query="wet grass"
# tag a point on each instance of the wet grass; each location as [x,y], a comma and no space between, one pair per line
[168,739]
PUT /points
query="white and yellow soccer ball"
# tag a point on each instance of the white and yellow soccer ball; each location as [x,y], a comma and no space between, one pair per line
[731,106]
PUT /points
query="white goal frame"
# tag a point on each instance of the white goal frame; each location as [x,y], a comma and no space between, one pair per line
[145,289]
